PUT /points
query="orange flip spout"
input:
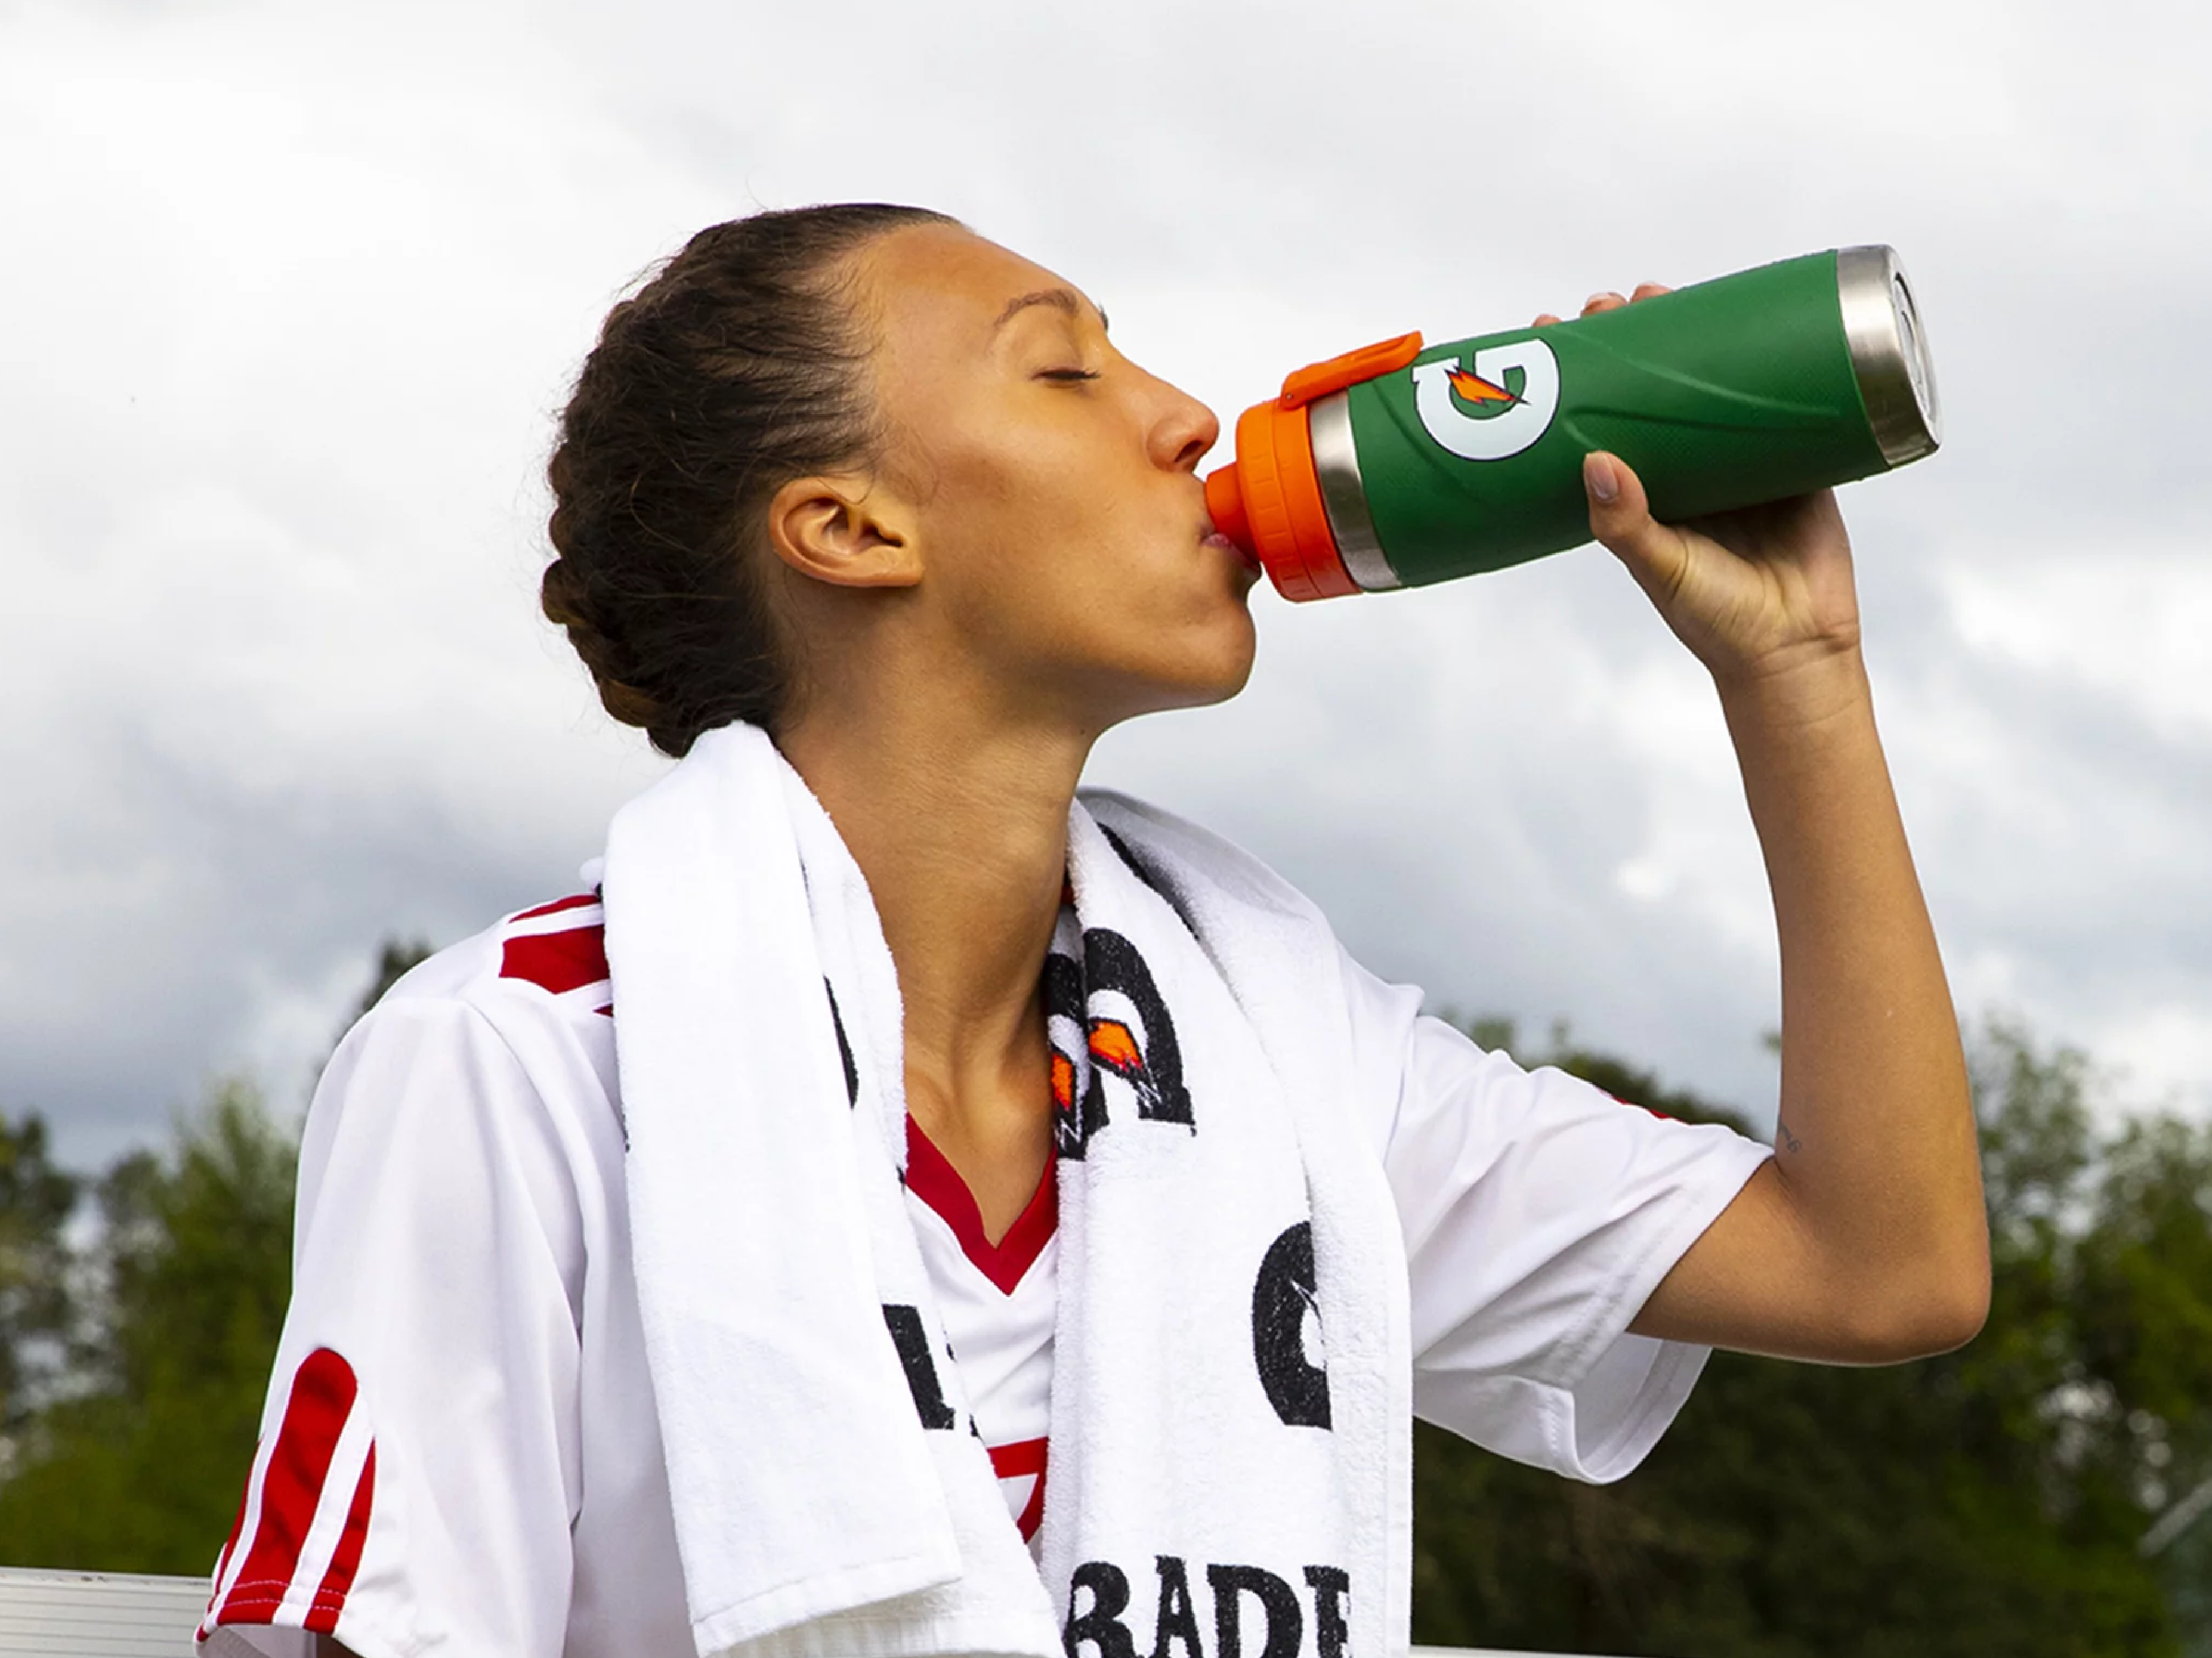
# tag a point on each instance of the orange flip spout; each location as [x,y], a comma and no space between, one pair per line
[1224,505]
[1269,500]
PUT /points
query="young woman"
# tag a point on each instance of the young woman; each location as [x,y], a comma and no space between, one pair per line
[904,1207]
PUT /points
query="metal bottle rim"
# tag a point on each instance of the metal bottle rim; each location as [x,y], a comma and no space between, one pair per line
[1889,353]
[1344,494]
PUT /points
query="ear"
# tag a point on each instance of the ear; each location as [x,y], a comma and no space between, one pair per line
[847,530]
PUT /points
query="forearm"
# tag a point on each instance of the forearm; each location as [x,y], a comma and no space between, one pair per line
[1875,1146]
[1864,1240]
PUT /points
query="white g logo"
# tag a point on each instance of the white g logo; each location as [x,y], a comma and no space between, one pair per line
[1521,420]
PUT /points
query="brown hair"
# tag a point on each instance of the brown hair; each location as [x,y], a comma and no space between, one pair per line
[727,374]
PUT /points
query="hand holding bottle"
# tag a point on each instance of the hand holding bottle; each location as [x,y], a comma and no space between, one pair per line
[1755,592]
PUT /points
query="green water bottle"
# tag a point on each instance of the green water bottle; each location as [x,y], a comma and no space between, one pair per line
[1396,466]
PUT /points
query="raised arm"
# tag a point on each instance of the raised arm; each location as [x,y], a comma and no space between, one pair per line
[1865,1241]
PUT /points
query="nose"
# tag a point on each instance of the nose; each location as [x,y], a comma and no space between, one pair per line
[1183,431]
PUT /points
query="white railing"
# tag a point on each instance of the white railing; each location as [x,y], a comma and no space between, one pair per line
[91,1614]
[85,1614]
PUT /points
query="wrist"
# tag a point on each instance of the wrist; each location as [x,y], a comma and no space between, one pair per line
[1799,693]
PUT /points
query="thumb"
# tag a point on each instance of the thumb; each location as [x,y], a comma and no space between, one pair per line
[1621,518]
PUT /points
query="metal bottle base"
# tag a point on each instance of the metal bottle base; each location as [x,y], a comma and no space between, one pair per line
[1889,353]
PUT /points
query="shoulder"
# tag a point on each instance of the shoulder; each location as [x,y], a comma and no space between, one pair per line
[551,957]
[504,1040]
[1247,916]
[537,978]
[1182,860]
[1319,1009]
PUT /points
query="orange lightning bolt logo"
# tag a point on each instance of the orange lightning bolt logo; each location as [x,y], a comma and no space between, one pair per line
[1472,388]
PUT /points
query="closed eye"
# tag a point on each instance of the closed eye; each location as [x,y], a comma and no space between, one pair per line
[1067,374]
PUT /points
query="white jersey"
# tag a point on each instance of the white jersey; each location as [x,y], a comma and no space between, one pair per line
[997,1302]
[461,1452]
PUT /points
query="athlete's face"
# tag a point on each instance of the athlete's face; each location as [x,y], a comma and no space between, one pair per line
[1051,483]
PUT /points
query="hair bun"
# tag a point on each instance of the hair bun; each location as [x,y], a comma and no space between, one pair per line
[563,595]
[731,372]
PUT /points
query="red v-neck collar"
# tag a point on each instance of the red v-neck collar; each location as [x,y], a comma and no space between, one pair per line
[931,1176]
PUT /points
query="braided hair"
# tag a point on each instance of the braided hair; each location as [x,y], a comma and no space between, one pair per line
[736,367]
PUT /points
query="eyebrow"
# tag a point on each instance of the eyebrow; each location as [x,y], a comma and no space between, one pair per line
[1060,299]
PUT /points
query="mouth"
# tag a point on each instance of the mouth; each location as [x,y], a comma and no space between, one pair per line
[1210,537]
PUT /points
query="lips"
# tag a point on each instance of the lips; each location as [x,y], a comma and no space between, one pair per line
[1212,537]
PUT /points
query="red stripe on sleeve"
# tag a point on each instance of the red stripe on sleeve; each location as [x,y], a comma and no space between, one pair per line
[558,905]
[322,1396]
[230,1543]
[345,1559]
[557,961]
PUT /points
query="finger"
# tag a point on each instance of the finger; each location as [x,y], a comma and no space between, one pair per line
[1650,291]
[1621,518]
[1545,319]
[1604,300]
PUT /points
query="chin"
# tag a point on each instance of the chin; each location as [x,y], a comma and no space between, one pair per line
[1199,681]
[1233,681]
[1190,663]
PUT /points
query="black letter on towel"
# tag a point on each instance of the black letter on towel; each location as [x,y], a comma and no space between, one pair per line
[1110,1598]
[1079,1114]
[844,1049]
[913,1344]
[1286,1625]
[1177,1622]
[1282,1301]
[1332,1587]
[1155,1073]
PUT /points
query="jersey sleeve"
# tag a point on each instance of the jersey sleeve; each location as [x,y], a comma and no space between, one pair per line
[1540,1213]
[417,1470]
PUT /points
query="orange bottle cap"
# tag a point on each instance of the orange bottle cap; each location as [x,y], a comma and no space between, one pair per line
[1269,500]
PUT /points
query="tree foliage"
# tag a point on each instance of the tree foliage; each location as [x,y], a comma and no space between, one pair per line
[1990,1500]
[137,1468]
[1996,1499]
[136,1464]
[35,1202]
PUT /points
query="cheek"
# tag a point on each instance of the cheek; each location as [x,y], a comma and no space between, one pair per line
[1022,539]
[989,504]
[983,466]
[1045,557]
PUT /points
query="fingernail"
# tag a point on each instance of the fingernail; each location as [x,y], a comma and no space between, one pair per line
[1598,478]
[1603,293]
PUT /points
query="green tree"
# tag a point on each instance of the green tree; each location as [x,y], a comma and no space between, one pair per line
[394,957]
[36,1199]
[139,1468]
[136,1465]
[1996,1499]
[1990,1500]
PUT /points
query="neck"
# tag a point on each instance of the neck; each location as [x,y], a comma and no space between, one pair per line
[959,822]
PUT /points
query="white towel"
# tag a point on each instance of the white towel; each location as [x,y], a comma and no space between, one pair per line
[1230,1457]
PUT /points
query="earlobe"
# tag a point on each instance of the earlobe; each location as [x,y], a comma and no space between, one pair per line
[843,531]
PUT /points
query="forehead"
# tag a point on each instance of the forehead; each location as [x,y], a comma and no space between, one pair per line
[940,289]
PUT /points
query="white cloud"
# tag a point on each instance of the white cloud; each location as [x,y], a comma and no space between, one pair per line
[2135,622]
[294,292]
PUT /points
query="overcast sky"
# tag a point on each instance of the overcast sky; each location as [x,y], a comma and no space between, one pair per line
[292,293]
